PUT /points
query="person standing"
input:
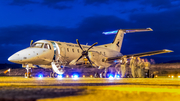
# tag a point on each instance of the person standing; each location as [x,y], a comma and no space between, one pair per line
[123,66]
[140,68]
[133,66]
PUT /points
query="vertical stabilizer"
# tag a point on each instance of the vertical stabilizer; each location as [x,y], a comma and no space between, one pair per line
[117,43]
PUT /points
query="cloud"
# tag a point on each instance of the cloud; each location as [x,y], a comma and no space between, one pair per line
[126,0]
[57,4]
[22,2]
[160,3]
[97,2]
[167,20]
[23,34]
[55,1]
[89,2]
[92,28]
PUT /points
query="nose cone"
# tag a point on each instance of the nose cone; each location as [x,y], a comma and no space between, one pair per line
[11,58]
[14,58]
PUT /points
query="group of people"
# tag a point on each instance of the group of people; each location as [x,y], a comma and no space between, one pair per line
[139,67]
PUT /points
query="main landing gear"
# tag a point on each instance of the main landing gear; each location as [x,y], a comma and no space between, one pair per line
[104,73]
[53,75]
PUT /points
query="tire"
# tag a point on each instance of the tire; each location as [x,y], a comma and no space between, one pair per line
[27,75]
[55,75]
[96,75]
[51,75]
[104,75]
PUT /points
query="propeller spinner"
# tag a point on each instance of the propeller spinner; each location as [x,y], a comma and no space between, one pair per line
[85,52]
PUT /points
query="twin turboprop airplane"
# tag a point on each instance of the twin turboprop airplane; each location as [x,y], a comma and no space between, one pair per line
[56,55]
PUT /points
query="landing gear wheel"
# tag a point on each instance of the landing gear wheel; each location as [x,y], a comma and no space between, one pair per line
[51,75]
[103,75]
[96,75]
[28,75]
[55,75]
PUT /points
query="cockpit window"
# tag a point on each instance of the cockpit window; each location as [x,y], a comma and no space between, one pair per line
[47,46]
[37,45]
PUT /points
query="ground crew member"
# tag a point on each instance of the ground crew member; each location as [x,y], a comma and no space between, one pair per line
[123,66]
[141,68]
[146,69]
[133,63]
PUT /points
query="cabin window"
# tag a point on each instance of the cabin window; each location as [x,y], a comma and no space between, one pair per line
[37,45]
[72,50]
[78,50]
[67,49]
[47,46]
[104,53]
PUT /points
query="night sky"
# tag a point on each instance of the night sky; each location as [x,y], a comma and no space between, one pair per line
[67,20]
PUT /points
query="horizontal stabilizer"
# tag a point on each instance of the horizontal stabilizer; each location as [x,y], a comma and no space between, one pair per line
[128,31]
[136,30]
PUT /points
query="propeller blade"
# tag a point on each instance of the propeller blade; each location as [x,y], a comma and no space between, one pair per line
[31,42]
[79,58]
[92,46]
[79,44]
[89,60]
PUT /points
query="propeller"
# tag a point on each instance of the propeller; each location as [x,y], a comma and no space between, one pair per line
[31,42]
[85,52]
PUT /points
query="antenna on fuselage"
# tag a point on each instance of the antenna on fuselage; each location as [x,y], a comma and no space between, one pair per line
[31,42]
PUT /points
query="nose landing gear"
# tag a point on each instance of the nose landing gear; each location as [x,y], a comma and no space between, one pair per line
[28,74]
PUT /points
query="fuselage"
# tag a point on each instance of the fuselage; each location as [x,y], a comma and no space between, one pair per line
[43,52]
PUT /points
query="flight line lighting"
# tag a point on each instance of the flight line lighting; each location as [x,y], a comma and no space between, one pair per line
[111,76]
[173,76]
[75,76]
[60,76]
[117,76]
[40,76]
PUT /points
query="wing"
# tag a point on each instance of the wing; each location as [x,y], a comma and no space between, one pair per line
[141,54]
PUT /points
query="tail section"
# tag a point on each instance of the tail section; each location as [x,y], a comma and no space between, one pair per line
[117,43]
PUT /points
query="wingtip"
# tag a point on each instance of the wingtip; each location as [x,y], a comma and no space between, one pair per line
[150,29]
[167,50]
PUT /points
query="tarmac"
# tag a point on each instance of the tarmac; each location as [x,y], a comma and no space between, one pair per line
[89,89]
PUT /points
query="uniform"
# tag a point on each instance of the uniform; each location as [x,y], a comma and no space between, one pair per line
[141,66]
[133,66]
[123,66]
